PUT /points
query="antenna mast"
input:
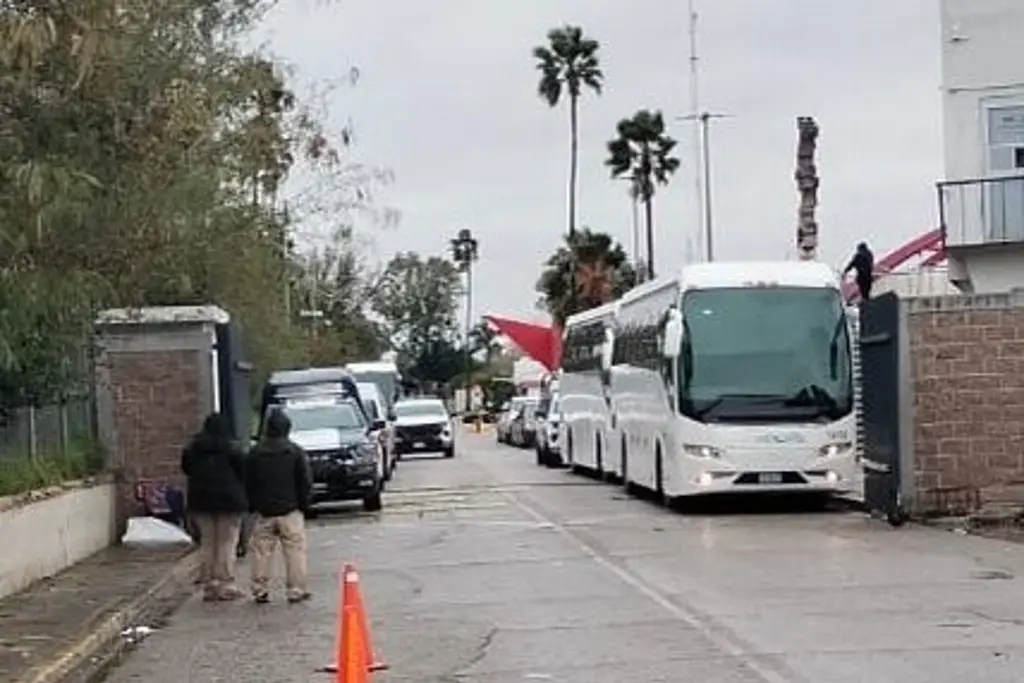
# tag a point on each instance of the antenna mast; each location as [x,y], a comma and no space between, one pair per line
[698,195]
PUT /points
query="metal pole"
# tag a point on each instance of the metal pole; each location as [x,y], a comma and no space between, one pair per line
[695,113]
[469,318]
[708,229]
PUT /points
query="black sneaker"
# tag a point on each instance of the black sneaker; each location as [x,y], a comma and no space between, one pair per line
[261,598]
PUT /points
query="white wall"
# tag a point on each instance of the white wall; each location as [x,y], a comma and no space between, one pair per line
[982,64]
[983,69]
[42,538]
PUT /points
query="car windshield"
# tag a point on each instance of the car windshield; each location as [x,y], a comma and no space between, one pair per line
[424,409]
[775,353]
[328,416]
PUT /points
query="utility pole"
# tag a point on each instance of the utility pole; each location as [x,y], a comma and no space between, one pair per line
[286,259]
[698,194]
[465,250]
[704,121]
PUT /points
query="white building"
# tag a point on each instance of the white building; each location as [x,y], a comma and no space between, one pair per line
[982,198]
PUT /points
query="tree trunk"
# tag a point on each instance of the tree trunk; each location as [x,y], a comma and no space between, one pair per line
[573,161]
[807,186]
[649,215]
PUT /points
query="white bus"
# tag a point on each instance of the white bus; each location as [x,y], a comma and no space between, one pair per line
[384,374]
[735,377]
[584,398]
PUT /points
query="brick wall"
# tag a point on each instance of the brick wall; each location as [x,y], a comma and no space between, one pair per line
[155,395]
[967,358]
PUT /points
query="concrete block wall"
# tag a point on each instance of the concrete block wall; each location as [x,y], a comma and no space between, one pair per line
[967,383]
[45,536]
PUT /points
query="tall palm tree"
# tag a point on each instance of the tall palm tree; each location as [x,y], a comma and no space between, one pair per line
[569,64]
[643,150]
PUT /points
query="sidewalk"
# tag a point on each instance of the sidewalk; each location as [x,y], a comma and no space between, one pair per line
[68,627]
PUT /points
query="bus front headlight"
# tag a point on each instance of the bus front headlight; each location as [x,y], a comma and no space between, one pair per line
[832,450]
[700,451]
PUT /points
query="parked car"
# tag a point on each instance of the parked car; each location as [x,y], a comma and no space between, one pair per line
[344,456]
[547,444]
[423,425]
[510,412]
[380,413]
[524,428]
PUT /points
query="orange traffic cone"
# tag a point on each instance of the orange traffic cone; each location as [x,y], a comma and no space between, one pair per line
[351,660]
[354,650]
[352,596]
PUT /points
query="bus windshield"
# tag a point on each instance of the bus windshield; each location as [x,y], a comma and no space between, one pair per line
[775,354]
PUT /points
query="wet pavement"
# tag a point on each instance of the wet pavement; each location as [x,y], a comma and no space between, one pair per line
[486,568]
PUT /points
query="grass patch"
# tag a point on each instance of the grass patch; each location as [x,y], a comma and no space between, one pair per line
[21,473]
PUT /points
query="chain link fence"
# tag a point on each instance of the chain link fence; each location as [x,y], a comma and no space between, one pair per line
[48,431]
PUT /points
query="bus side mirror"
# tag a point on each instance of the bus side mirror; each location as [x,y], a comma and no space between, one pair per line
[673,335]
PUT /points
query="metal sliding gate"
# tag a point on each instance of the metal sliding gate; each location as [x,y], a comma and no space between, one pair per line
[881,405]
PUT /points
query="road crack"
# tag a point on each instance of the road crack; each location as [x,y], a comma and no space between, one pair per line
[461,672]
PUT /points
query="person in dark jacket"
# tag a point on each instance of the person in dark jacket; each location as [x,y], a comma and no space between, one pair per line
[279,484]
[215,468]
[863,263]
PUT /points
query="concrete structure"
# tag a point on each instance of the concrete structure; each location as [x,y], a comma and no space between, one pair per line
[52,532]
[157,377]
[982,199]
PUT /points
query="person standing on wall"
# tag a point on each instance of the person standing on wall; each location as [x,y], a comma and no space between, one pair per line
[863,263]
[215,468]
[279,484]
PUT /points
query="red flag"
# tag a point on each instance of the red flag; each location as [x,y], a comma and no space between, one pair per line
[542,343]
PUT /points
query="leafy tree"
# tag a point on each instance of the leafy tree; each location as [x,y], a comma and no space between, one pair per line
[417,302]
[142,148]
[568,64]
[590,269]
[643,152]
[482,337]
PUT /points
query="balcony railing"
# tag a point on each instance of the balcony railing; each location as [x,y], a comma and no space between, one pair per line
[982,210]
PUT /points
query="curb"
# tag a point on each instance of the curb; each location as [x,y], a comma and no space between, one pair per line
[90,658]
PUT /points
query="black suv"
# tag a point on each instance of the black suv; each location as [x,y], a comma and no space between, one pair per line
[343,453]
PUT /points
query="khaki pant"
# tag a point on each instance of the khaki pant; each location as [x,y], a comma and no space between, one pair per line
[290,530]
[218,538]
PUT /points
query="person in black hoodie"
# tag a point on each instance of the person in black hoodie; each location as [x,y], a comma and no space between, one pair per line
[279,483]
[215,468]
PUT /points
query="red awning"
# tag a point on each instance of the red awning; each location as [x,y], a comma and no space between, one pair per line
[542,343]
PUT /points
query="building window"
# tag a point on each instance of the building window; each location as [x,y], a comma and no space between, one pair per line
[1003,202]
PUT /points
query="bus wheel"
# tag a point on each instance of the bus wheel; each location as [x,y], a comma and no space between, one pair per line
[598,456]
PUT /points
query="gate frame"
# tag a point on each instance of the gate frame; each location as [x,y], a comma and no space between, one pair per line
[906,490]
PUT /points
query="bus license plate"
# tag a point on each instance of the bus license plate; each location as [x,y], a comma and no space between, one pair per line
[769,478]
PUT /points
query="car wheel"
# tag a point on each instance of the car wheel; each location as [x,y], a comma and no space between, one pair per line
[373,503]
[449,452]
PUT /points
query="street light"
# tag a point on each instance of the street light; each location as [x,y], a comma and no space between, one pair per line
[465,250]
[705,128]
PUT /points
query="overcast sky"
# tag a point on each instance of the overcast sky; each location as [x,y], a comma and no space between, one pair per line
[447,100]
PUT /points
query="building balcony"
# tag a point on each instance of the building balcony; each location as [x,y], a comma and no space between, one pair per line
[983,223]
[982,211]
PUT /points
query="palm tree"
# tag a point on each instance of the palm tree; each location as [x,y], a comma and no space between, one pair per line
[590,269]
[643,151]
[569,64]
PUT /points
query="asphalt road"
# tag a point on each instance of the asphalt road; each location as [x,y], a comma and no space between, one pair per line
[486,568]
